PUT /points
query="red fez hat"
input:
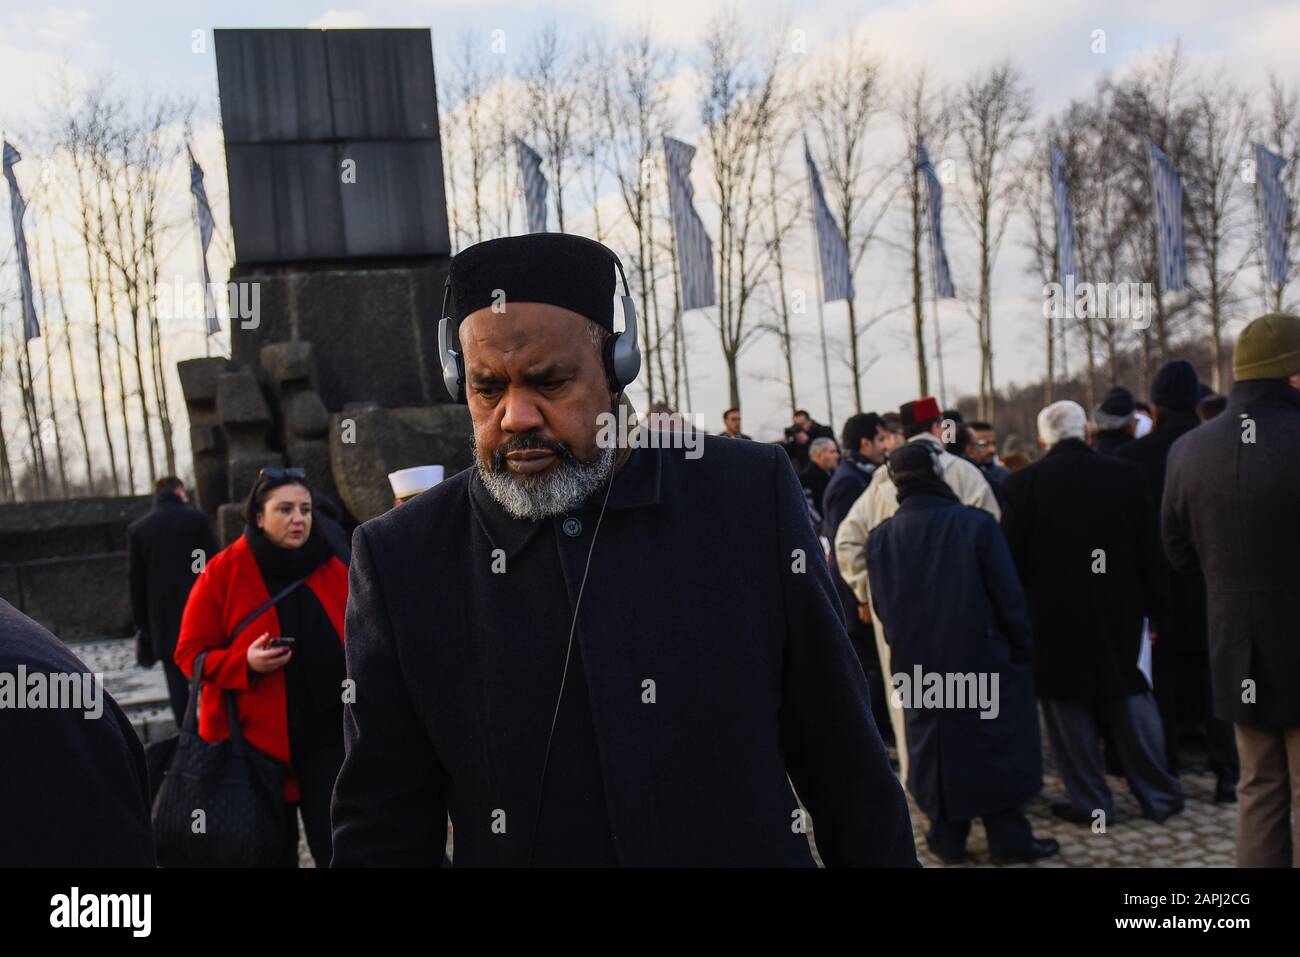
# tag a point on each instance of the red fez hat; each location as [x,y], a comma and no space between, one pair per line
[922,410]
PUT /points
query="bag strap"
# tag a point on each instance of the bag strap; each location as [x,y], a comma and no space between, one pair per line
[232,712]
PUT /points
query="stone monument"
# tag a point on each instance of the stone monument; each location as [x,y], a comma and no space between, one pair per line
[341,249]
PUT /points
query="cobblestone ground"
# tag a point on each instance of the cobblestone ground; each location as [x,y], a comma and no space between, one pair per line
[1201,836]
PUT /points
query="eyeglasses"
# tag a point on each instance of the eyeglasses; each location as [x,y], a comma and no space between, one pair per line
[279,473]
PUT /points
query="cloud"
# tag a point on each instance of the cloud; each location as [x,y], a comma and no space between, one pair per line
[336,19]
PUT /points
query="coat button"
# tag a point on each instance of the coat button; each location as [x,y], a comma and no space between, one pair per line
[572,527]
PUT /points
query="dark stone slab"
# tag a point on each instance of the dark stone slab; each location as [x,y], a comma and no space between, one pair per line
[288,361]
[295,104]
[382,83]
[285,201]
[78,598]
[67,527]
[274,85]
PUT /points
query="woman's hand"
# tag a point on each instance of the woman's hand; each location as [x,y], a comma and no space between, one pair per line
[263,659]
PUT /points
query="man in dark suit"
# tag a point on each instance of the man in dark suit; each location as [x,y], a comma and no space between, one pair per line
[509,669]
[1180,656]
[1084,539]
[74,790]
[799,438]
[1232,511]
[166,551]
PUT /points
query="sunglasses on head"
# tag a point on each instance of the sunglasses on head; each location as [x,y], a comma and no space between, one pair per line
[279,473]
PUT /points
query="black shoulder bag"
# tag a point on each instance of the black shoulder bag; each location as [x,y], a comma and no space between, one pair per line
[222,804]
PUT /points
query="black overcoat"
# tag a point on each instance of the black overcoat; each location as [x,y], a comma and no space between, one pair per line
[1181,627]
[946,590]
[1232,509]
[74,789]
[161,563]
[848,481]
[713,654]
[1084,539]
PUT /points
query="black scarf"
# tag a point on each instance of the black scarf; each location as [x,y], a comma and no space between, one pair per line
[280,565]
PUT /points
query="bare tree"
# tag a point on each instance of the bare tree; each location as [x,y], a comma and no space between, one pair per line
[739,110]
[1218,202]
[634,105]
[1281,129]
[991,114]
[847,95]
[83,133]
[552,96]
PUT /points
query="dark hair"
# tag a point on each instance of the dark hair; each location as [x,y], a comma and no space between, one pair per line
[962,442]
[804,413]
[262,490]
[1141,406]
[981,426]
[168,483]
[727,413]
[892,422]
[864,425]
[953,414]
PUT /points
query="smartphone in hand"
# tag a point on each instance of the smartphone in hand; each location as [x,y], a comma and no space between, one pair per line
[281,642]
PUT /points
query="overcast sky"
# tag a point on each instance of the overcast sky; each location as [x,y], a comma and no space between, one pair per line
[147,45]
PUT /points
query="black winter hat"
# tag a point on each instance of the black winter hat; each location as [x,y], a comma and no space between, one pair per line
[557,268]
[1176,386]
[1118,402]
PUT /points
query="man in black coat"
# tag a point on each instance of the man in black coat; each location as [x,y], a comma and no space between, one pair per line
[1084,539]
[167,549]
[74,790]
[1232,510]
[1180,657]
[512,671]
[867,440]
[946,590]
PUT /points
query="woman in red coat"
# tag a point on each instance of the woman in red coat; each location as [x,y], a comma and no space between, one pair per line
[290,697]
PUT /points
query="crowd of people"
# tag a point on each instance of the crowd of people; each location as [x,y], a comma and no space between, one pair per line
[464,656]
[1135,648]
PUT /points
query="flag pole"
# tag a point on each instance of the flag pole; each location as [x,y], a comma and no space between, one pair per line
[821,321]
[934,304]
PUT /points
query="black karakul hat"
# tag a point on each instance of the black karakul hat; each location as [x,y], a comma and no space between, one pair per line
[560,269]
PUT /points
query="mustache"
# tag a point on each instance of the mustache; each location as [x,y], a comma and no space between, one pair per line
[526,442]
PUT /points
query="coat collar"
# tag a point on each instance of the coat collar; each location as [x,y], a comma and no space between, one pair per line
[636,485]
[1068,445]
[1251,392]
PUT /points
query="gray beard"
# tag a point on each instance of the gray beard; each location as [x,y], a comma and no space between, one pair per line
[565,485]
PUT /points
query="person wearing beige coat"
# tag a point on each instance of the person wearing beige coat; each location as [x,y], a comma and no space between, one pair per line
[879,502]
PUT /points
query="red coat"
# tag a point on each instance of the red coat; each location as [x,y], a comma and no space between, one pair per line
[230,589]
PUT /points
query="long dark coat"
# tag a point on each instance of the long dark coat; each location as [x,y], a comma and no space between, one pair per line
[714,660]
[160,550]
[946,590]
[74,791]
[848,481]
[1181,628]
[1063,517]
[1232,509]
